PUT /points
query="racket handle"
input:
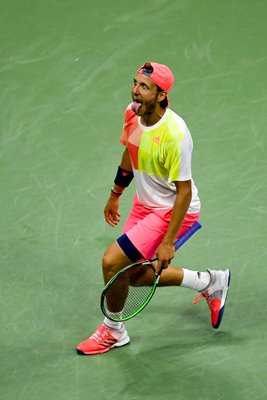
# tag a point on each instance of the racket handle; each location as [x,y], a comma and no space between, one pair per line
[179,242]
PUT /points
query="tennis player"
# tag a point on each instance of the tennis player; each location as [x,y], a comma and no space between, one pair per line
[157,154]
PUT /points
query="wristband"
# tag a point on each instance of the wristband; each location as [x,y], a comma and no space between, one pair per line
[114,193]
[123,177]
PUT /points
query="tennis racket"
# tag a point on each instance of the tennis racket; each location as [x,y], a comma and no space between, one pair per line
[130,290]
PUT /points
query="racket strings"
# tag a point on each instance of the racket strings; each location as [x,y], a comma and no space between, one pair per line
[126,295]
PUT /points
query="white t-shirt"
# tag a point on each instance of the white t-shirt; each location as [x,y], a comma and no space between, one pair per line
[160,155]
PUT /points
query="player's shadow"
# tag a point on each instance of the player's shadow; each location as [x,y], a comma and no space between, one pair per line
[179,365]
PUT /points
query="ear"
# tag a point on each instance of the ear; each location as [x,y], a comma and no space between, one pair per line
[161,96]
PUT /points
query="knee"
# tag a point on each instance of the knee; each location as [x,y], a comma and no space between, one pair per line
[106,262]
[109,267]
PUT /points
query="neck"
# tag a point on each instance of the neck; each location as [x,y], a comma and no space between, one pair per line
[152,119]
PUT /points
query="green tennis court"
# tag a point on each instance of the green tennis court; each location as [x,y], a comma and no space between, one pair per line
[66,72]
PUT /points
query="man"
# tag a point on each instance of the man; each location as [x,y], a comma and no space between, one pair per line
[158,150]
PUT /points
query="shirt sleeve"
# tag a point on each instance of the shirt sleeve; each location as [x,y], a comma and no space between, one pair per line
[124,135]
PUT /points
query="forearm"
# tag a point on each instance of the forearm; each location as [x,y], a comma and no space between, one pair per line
[179,211]
[124,174]
[122,180]
[126,161]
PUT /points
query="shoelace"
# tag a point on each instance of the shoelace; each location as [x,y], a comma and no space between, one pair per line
[101,333]
[200,296]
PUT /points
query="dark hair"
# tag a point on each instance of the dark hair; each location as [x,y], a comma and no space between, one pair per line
[148,68]
[163,103]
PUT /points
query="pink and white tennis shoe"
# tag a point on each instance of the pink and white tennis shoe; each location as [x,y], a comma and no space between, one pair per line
[103,340]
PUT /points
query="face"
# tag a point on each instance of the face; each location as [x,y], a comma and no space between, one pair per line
[145,92]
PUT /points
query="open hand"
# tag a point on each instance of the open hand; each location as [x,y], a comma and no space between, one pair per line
[112,215]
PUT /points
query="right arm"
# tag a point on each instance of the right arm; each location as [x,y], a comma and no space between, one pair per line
[111,211]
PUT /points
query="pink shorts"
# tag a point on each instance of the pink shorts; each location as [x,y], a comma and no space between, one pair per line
[145,228]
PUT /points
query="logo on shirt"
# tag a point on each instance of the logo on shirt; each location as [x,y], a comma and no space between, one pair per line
[156,139]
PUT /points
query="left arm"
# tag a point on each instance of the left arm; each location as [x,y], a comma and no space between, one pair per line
[165,252]
[111,211]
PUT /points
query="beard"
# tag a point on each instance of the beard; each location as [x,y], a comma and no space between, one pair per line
[150,107]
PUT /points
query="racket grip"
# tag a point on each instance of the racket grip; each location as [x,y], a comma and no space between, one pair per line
[179,242]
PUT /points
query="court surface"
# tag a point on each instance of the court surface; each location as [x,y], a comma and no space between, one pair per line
[66,72]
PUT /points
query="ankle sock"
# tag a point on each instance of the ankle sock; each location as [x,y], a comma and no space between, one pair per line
[117,326]
[195,280]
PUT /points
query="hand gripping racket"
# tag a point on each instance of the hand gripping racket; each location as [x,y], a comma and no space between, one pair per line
[130,290]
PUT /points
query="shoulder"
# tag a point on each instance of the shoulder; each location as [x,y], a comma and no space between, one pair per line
[179,121]
[129,114]
[130,122]
[177,131]
[175,127]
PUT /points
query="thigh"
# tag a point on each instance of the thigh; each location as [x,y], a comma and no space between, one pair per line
[147,234]
[137,213]
[114,260]
[114,256]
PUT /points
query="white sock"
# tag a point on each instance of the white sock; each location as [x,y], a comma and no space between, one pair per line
[195,280]
[117,326]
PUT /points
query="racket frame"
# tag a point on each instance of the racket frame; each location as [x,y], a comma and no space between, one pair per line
[179,242]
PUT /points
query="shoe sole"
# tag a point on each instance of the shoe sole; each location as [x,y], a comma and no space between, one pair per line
[224,297]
